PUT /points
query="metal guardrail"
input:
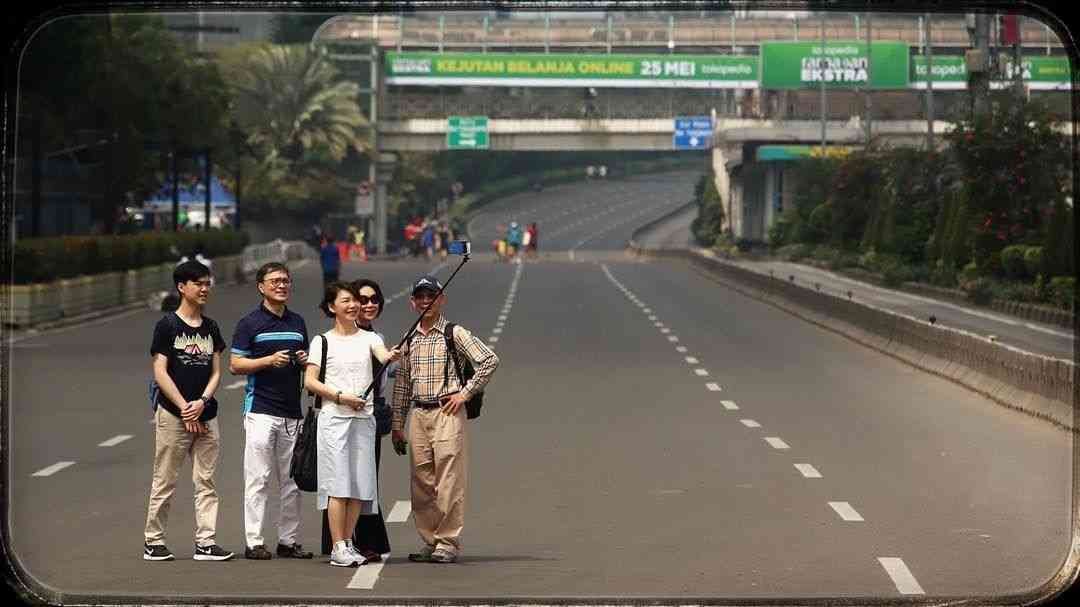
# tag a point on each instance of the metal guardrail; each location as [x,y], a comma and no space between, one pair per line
[278,250]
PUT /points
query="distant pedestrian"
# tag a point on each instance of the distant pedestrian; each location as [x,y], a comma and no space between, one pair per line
[514,237]
[533,234]
[186,352]
[269,347]
[330,258]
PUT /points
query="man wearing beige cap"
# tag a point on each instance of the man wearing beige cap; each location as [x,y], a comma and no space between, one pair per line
[427,384]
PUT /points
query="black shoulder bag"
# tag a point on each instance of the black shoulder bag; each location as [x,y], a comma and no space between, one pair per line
[382,408]
[304,468]
[464,371]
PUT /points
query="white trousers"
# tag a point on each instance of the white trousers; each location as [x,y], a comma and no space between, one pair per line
[268,450]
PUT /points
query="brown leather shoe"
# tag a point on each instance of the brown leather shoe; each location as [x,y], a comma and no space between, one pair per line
[258,553]
[293,552]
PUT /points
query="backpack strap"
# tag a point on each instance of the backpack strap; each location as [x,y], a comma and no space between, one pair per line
[451,350]
[322,369]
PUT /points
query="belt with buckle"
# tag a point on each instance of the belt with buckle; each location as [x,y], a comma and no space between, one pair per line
[426,404]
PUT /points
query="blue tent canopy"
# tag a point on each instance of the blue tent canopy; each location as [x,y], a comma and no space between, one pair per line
[192,195]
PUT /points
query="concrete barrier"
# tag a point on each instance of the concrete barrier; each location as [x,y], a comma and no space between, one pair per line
[1041,386]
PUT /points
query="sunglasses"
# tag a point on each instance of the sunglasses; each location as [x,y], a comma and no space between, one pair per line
[365,300]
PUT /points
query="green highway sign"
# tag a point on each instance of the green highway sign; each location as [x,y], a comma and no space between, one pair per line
[800,65]
[467,133]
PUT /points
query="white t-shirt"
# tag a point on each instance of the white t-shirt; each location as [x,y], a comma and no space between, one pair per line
[348,368]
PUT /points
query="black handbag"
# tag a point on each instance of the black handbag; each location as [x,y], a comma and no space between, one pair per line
[383,414]
[304,468]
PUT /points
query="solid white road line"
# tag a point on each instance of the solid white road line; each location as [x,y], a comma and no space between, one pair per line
[776,442]
[701,372]
[236,384]
[116,440]
[53,469]
[400,512]
[729,405]
[713,387]
[691,360]
[845,511]
[366,576]
[808,471]
[901,575]
[749,423]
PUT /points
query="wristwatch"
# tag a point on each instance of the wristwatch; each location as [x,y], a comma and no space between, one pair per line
[337,397]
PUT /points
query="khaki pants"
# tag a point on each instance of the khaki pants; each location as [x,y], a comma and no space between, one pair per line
[438,456]
[172,446]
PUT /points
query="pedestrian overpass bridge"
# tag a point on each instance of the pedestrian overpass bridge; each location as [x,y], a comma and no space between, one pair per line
[418,70]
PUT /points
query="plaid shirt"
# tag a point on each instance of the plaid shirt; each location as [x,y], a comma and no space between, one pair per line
[420,374]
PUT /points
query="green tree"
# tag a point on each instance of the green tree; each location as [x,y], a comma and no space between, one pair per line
[136,88]
[294,107]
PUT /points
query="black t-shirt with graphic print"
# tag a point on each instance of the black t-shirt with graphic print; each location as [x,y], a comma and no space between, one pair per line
[190,351]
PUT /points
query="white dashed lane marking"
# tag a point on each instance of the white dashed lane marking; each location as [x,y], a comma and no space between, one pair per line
[400,512]
[776,442]
[366,576]
[845,511]
[713,387]
[53,469]
[116,440]
[808,471]
[729,405]
[749,423]
[701,372]
[680,349]
[691,360]
[901,576]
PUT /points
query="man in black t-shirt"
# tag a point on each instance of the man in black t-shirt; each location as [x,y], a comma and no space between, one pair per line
[186,353]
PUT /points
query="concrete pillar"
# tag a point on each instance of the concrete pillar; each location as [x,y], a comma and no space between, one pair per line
[384,173]
[722,155]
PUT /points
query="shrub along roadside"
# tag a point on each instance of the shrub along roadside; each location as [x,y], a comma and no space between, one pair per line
[41,260]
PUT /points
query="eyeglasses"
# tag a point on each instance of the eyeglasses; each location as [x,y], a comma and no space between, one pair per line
[365,300]
[278,282]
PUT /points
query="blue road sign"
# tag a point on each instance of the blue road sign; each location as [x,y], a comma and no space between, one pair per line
[692,133]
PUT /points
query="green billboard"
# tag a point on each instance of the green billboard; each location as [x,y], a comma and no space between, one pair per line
[950,72]
[799,65]
[556,69]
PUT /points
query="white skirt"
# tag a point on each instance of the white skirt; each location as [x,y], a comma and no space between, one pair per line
[346,453]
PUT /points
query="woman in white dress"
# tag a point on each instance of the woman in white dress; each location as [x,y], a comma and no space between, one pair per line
[346,434]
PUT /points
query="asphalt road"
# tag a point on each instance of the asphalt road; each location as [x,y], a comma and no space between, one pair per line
[650,432]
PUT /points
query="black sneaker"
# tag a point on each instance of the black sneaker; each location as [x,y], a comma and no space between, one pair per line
[212,552]
[157,552]
[259,553]
[293,552]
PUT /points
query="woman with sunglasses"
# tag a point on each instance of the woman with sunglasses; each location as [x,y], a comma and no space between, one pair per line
[346,432]
[369,536]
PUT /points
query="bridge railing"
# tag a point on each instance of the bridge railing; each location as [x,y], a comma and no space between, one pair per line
[400,103]
[457,31]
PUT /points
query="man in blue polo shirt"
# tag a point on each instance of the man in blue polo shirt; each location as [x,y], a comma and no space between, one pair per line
[268,347]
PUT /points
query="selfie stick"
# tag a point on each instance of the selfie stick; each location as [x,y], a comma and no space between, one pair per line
[417,323]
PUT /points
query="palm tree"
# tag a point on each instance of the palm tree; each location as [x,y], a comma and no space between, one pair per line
[291,103]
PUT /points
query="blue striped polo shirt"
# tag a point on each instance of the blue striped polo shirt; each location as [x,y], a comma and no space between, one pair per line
[272,391]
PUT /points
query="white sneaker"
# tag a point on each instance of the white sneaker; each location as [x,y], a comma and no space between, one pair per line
[343,558]
[354,553]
